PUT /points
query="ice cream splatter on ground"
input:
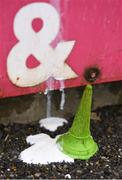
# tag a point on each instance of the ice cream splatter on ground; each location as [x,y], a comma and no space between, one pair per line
[44,150]
[52,123]
[68,176]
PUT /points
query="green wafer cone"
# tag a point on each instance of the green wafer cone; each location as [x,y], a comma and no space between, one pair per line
[78,142]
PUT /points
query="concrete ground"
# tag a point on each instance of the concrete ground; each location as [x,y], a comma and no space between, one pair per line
[105,164]
[31,108]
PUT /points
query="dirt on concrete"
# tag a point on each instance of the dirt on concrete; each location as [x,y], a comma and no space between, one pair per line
[106,164]
[31,108]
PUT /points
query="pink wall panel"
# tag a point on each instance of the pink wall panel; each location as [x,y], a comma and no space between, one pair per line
[94,26]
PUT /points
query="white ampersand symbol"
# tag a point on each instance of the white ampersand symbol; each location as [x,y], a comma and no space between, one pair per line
[52,61]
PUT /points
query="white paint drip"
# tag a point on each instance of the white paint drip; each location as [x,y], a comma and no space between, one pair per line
[52,123]
[62,86]
[43,151]
[50,84]
[49,104]
[62,100]
[50,87]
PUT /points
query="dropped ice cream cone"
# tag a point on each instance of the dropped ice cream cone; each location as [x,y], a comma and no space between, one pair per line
[78,142]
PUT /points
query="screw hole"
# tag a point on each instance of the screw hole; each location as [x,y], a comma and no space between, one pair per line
[91,74]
